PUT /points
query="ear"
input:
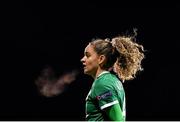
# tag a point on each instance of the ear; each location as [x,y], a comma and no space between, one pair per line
[101,59]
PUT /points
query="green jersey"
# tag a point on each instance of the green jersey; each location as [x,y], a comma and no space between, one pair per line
[106,90]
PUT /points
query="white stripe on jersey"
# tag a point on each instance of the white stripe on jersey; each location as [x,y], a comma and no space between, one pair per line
[124,107]
[109,104]
[88,95]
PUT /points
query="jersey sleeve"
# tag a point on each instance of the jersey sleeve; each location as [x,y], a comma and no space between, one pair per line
[114,113]
[105,95]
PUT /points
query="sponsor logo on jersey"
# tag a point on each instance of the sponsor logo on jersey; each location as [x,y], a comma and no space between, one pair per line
[104,95]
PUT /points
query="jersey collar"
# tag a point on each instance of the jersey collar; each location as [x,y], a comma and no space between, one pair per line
[102,73]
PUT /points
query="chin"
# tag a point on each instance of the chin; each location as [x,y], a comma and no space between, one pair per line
[86,72]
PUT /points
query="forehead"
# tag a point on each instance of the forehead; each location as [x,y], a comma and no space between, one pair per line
[89,48]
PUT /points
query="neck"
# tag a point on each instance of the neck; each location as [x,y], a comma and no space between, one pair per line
[99,71]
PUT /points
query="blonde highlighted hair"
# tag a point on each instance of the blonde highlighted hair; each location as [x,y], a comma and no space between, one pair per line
[128,63]
[123,55]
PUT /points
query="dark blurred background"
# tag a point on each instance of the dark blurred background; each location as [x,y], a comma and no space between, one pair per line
[35,34]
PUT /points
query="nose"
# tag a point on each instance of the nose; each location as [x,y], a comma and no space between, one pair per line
[83,59]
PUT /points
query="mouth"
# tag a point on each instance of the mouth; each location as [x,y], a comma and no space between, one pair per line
[84,66]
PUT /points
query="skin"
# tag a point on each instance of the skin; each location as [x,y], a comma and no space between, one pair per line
[92,62]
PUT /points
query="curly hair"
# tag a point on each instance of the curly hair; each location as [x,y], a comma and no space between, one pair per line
[128,63]
[123,55]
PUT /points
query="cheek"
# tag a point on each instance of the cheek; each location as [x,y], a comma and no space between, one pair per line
[92,64]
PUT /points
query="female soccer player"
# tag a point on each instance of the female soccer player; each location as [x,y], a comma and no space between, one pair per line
[109,63]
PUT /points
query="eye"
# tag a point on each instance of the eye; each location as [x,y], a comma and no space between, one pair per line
[87,54]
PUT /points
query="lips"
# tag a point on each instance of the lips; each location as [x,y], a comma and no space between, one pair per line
[84,66]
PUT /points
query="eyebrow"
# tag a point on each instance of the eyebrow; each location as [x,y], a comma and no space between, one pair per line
[86,53]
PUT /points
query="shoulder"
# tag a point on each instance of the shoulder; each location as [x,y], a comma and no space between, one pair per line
[105,85]
[107,80]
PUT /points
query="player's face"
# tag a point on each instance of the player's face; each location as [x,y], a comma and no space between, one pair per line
[90,60]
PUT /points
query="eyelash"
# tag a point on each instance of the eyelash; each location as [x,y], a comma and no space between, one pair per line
[87,56]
